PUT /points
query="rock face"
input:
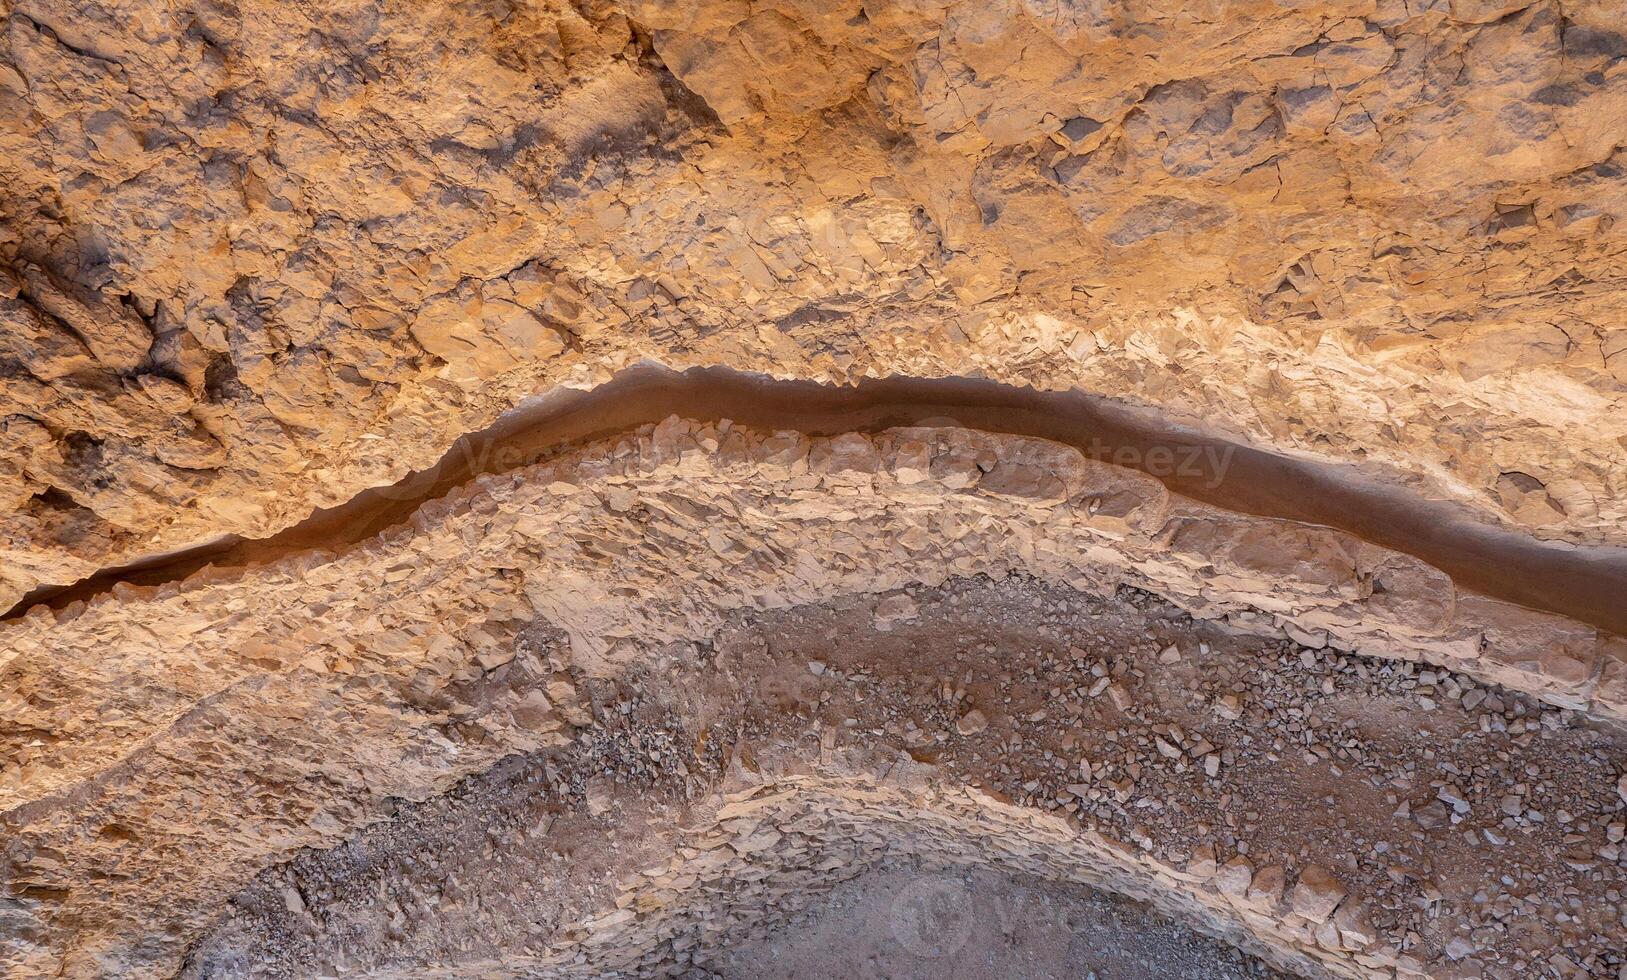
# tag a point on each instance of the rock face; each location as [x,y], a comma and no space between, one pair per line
[258,256]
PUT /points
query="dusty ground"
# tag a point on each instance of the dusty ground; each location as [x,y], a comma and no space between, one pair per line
[915,923]
[1475,829]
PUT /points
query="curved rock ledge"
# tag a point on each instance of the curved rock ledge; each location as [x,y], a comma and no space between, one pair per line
[738,865]
[337,672]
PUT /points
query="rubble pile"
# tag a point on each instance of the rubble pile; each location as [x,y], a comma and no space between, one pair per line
[740,779]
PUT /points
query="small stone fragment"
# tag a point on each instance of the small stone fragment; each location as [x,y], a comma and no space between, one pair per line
[1316,894]
[1265,891]
[971,722]
[1234,878]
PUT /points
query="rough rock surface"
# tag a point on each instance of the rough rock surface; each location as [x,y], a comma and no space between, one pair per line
[658,696]
[255,256]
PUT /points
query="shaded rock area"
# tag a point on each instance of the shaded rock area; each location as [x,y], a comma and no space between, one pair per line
[915,923]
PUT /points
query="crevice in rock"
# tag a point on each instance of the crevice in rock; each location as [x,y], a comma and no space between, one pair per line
[1583,583]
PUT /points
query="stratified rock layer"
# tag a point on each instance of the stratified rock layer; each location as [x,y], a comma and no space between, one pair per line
[260,255]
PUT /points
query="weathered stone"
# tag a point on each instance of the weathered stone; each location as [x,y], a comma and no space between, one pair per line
[971,723]
[1316,894]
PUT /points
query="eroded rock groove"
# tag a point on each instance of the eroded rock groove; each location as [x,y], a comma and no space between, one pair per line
[1584,583]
